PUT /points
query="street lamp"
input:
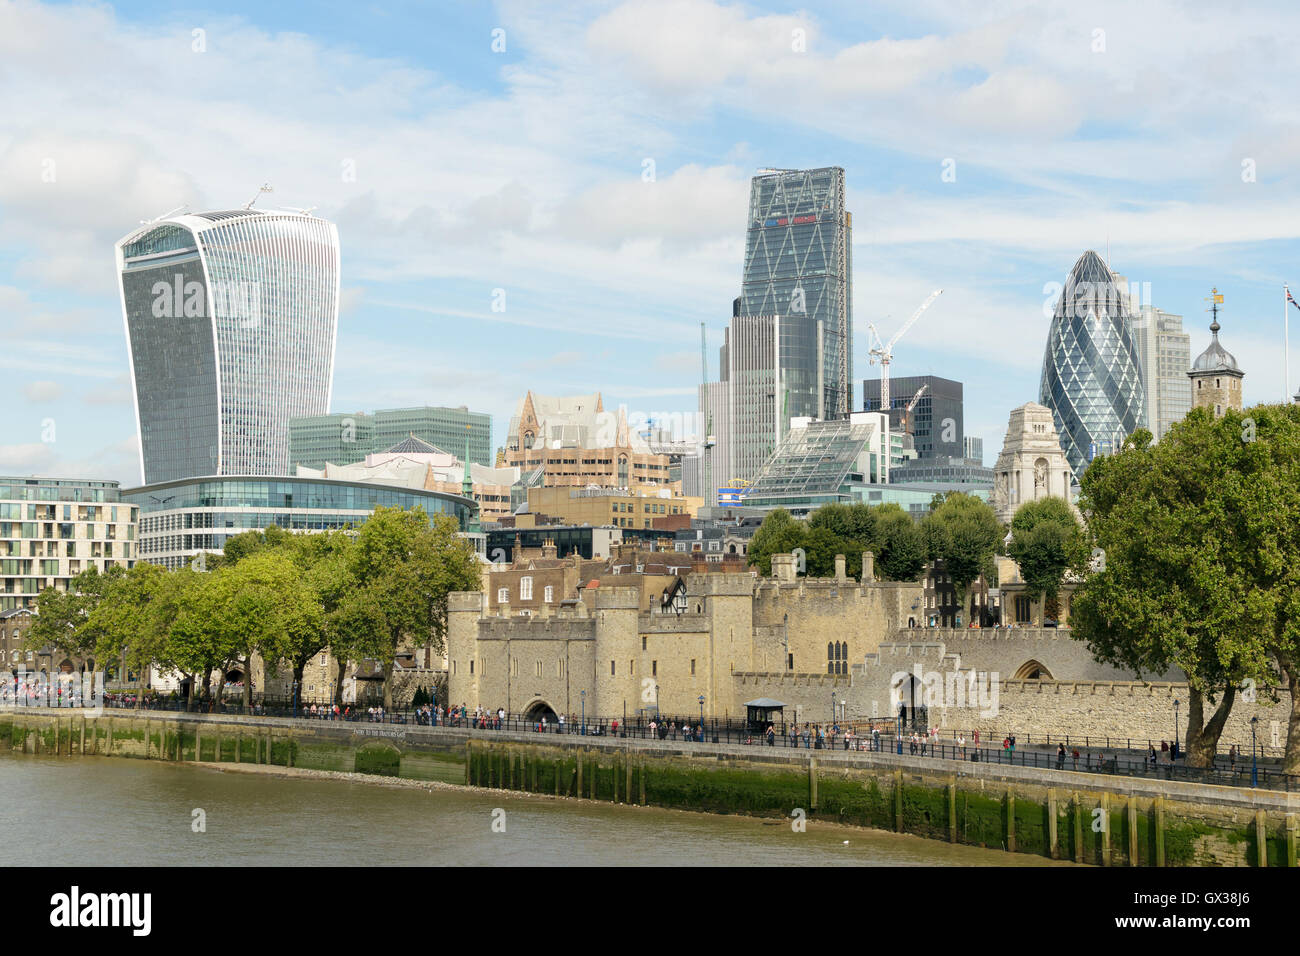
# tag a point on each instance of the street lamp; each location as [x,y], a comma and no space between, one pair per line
[832,707]
[295,698]
[583,695]
[1254,765]
[701,718]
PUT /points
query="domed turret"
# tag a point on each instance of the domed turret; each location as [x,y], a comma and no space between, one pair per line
[1216,376]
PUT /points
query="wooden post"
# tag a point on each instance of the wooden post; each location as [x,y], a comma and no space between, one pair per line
[1053,847]
[1261,838]
[83,735]
[148,734]
[1159,807]
[898,801]
[1132,831]
[1105,829]
[642,776]
[952,812]
[198,743]
[557,777]
[1011,822]
[812,783]
[579,775]
[1078,829]
[239,744]
[627,766]
[1291,826]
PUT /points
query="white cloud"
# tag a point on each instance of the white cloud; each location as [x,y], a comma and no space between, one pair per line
[42,391]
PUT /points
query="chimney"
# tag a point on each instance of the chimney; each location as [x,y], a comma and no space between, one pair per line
[868,567]
[840,576]
[548,549]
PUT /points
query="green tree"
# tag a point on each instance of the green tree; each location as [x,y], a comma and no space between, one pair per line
[1046,542]
[778,534]
[963,533]
[1198,568]
[901,549]
[409,566]
[61,616]
[131,620]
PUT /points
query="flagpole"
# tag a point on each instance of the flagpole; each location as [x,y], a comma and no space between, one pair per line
[1286,344]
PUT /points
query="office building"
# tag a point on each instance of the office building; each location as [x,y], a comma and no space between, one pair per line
[935,422]
[798,265]
[1091,379]
[343,437]
[414,463]
[230,322]
[974,448]
[573,441]
[178,520]
[52,529]
[1164,354]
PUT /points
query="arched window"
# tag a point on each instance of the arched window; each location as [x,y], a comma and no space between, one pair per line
[837,657]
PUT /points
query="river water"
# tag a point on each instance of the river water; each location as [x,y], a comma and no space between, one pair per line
[96,811]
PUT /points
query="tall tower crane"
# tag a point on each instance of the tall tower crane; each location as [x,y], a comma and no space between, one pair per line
[884,354]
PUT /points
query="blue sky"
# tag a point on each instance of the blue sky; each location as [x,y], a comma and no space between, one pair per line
[1169,131]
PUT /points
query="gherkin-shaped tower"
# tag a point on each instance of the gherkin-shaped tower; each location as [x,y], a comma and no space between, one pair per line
[1092,381]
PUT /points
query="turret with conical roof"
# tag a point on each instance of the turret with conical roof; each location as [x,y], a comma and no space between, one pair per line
[1216,376]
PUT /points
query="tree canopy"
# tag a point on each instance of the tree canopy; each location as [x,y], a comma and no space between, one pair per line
[1201,561]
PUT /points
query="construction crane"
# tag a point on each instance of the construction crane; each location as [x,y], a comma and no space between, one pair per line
[884,354]
[907,415]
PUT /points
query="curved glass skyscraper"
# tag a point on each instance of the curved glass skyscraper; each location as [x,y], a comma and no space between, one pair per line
[1091,378]
[230,323]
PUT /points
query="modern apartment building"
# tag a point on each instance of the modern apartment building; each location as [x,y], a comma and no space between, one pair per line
[230,319]
[52,529]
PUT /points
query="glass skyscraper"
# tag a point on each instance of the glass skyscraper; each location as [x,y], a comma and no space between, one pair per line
[798,265]
[1091,375]
[230,320]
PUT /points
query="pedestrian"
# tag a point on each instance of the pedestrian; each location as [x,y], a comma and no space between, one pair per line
[976,738]
[1075,756]
[1060,756]
[961,745]
[771,736]
[1151,755]
[1232,757]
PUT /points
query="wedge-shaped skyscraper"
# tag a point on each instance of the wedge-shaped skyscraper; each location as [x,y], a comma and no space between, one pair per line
[230,323]
[1091,377]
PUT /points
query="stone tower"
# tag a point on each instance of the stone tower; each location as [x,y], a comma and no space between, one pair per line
[1032,464]
[1216,376]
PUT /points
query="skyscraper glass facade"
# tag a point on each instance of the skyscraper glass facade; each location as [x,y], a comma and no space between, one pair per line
[1091,378]
[230,320]
[798,264]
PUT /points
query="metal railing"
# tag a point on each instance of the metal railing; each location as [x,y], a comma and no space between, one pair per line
[874,735]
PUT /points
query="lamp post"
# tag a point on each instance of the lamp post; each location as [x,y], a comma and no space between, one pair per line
[1254,765]
[295,698]
[583,695]
[701,718]
[832,707]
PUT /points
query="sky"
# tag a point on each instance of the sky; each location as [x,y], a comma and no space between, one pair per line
[587,165]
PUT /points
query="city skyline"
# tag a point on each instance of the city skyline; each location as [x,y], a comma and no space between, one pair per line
[596,233]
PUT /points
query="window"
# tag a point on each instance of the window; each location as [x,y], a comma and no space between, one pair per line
[548,595]
[503,595]
[654,668]
[611,668]
[526,589]
[471,666]
[837,657]
[789,664]
[692,667]
[537,670]
[643,640]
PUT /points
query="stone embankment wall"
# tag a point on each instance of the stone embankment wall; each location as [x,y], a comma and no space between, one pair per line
[1086,818]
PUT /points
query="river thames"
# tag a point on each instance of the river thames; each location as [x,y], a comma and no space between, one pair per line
[98,811]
